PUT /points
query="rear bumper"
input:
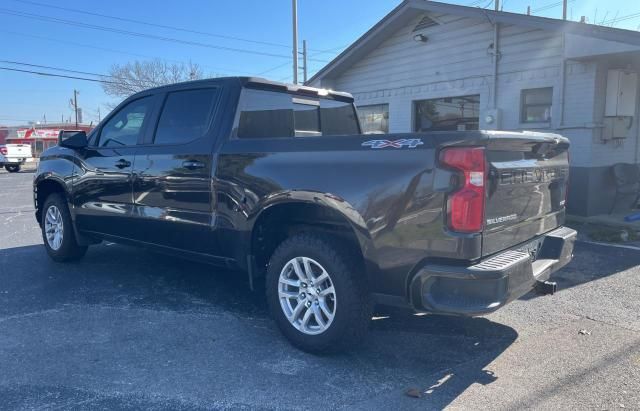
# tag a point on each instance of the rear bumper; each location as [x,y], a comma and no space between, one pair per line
[13,160]
[484,287]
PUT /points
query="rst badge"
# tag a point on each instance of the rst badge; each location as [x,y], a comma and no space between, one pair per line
[403,142]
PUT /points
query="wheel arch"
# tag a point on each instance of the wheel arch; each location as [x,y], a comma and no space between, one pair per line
[43,188]
[294,212]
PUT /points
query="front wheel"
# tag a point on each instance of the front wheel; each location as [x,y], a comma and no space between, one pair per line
[12,168]
[57,231]
[317,294]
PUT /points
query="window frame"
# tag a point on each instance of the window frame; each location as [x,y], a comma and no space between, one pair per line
[150,139]
[524,106]
[122,106]
[359,108]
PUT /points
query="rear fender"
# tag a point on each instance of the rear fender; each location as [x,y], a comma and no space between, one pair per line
[329,201]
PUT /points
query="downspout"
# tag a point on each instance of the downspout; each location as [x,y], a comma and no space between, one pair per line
[496,57]
[563,79]
[637,121]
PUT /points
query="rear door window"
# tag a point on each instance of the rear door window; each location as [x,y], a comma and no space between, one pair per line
[186,116]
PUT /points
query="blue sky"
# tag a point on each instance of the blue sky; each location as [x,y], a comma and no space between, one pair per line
[325,24]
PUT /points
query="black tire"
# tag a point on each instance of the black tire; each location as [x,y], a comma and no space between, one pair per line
[69,249]
[13,168]
[353,306]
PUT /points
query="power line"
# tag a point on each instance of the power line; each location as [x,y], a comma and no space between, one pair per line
[312,55]
[164,26]
[550,6]
[54,68]
[90,46]
[41,73]
[622,18]
[138,34]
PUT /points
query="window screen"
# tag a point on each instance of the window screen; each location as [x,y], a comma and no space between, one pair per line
[186,116]
[265,114]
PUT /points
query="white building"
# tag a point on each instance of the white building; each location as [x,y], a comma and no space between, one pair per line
[436,66]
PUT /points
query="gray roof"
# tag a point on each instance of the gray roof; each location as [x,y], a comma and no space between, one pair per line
[409,9]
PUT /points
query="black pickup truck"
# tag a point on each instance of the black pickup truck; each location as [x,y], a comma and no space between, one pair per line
[276,180]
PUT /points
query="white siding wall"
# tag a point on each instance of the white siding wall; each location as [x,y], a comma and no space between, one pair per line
[611,152]
[456,61]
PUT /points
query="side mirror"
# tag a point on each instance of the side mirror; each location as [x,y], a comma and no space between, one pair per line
[72,139]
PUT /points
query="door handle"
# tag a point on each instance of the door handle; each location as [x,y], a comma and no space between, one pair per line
[122,163]
[192,165]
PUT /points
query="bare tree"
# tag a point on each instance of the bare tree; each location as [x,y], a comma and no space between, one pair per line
[127,79]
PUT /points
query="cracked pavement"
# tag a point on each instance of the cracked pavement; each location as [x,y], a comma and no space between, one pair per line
[130,329]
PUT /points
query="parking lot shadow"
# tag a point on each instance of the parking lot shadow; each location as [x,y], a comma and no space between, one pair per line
[596,262]
[218,338]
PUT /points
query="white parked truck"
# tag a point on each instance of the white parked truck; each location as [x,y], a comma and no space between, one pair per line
[13,156]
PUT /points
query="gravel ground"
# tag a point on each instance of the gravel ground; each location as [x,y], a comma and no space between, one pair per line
[130,329]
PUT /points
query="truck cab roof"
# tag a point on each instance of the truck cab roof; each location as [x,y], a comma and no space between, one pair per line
[260,83]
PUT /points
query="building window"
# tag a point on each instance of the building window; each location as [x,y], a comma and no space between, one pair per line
[536,105]
[447,114]
[374,118]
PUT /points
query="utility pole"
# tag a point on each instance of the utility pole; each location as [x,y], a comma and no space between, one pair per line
[304,61]
[497,4]
[294,10]
[564,9]
[528,10]
[74,104]
[98,114]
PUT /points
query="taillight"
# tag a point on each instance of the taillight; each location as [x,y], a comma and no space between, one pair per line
[3,151]
[465,206]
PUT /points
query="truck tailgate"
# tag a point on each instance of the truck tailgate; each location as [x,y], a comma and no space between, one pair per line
[18,150]
[526,188]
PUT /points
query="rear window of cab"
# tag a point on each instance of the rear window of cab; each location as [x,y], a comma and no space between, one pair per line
[270,114]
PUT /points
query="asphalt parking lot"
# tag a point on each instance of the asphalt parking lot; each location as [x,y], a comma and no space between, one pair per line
[126,328]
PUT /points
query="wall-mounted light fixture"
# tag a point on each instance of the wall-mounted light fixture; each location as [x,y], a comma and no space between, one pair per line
[420,38]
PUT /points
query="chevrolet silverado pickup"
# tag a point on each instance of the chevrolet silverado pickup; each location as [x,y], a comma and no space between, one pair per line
[278,182]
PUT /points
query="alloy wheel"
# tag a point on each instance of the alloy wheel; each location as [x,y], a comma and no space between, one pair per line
[307,295]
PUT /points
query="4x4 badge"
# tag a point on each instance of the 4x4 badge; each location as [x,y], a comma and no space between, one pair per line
[408,142]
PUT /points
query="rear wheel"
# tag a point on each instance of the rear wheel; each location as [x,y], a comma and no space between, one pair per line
[57,231]
[13,168]
[317,294]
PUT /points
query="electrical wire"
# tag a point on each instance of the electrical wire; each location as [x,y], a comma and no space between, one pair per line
[163,26]
[139,34]
[93,47]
